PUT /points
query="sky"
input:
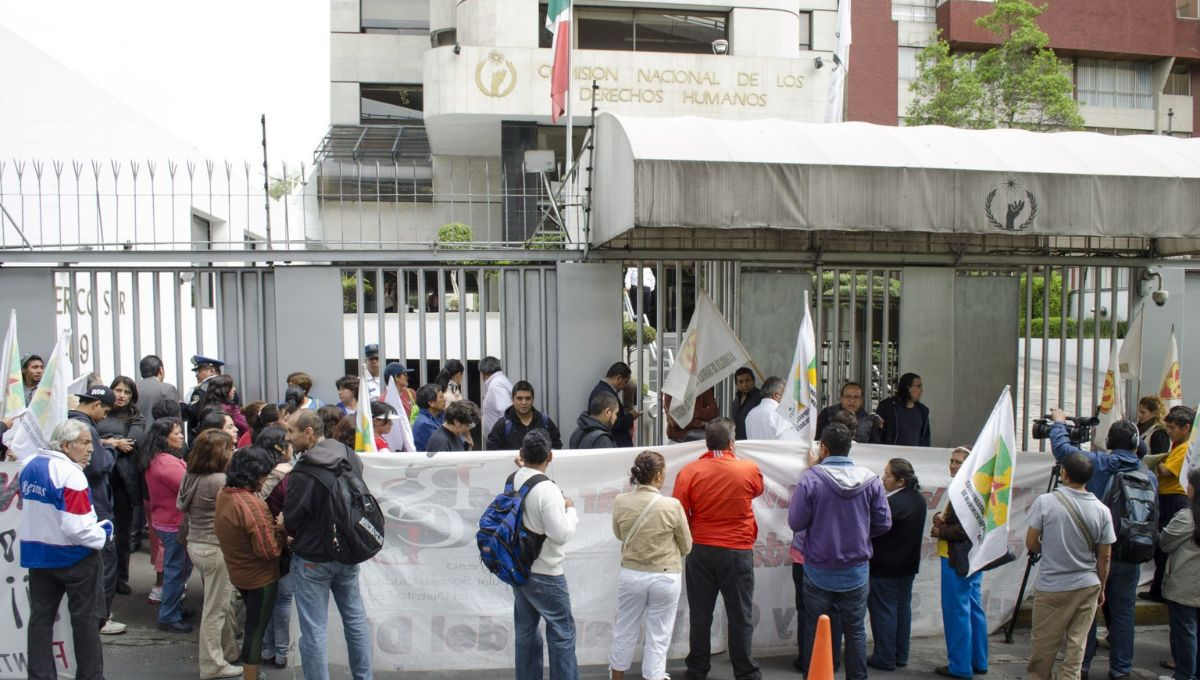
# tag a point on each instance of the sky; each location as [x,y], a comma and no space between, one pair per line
[205,72]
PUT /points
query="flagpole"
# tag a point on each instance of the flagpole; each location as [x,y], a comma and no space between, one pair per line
[569,107]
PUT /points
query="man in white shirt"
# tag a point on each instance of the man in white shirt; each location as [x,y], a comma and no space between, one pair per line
[544,595]
[649,299]
[764,422]
[497,392]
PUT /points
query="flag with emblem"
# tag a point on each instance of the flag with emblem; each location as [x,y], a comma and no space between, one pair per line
[364,432]
[710,352]
[982,490]
[799,403]
[1130,355]
[1171,390]
[1112,406]
[13,399]
[47,408]
[558,22]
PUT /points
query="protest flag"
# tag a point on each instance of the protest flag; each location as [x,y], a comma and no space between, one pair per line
[982,490]
[1171,390]
[364,432]
[1112,405]
[13,399]
[46,409]
[799,404]
[710,352]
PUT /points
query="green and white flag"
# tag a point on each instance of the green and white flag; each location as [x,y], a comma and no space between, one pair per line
[982,490]
[799,403]
[13,398]
[47,408]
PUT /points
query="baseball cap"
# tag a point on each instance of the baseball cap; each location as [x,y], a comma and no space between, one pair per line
[371,350]
[99,393]
[382,411]
[395,368]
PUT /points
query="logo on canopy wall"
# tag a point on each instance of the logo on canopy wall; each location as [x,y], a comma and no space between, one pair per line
[495,76]
[1018,204]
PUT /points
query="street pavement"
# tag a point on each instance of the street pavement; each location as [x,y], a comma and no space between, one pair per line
[146,652]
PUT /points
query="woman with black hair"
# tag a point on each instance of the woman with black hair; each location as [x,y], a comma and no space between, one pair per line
[220,392]
[277,639]
[905,418]
[163,457]
[251,542]
[213,417]
[1181,584]
[293,400]
[123,429]
[450,379]
[895,560]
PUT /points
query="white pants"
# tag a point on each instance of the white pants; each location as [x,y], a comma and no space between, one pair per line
[646,602]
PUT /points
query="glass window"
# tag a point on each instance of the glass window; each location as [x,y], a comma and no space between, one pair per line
[390,103]
[1187,9]
[644,30]
[908,62]
[604,29]
[914,10]
[1115,84]
[399,17]
[545,40]
[1179,82]
[805,31]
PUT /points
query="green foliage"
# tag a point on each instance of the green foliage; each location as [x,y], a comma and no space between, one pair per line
[350,293]
[1038,327]
[629,334]
[455,232]
[278,188]
[554,240]
[1039,293]
[860,288]
[1020,83]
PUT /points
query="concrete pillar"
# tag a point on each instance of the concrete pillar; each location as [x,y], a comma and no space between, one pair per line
[589,333]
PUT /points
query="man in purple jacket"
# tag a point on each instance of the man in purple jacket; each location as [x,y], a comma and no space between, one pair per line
[852,507]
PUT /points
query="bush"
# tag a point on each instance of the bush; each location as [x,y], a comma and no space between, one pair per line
[1089,328]
[455,232]
[350,293]
[554,240]
[629,334]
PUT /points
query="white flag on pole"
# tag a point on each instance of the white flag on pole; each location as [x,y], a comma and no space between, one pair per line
[1130,356]
[1171,388]
[982,490]
[710,351]
[47,408]
[835,99]
[13,398]
[400,437]
[1112,405]
[799,403]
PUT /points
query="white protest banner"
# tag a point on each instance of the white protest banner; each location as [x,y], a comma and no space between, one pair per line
[799,403]
[710,351]
[14,614]
[982,489]
[433,606]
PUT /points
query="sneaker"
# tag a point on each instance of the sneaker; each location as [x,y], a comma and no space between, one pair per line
[230,671]
[155,596]
[111,627]
[176,627]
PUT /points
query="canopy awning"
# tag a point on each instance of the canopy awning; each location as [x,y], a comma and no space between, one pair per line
[690,172]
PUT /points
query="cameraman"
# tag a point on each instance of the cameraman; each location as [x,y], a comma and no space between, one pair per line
[1120,592]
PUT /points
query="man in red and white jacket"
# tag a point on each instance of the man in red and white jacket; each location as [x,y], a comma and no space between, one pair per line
[61,539]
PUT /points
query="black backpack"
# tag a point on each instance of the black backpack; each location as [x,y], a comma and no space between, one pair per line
[1133,502]
[354,521]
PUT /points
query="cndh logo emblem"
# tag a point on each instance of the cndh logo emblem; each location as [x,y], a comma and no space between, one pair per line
[495,76]
[1021,204]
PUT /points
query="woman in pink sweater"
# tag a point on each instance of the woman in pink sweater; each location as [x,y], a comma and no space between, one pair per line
[164,472]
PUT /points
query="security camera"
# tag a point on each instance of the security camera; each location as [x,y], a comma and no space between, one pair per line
[1160,297]
[720,46]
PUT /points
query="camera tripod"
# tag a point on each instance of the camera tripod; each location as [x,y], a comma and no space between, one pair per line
[1032,560]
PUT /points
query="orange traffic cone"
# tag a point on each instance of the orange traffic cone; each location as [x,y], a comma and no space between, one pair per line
[820,666]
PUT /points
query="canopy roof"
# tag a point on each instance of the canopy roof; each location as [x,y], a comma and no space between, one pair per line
[704,173]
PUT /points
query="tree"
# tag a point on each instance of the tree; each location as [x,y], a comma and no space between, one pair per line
[1020,83]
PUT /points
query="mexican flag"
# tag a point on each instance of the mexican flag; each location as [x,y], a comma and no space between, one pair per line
[558,22]
[982,489]
[799,403]
[364,433]
[13,398]
[47,408]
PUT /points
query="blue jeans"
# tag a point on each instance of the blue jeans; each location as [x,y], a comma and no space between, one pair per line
[1120,597]
[890,604]
[1183,621]
[847,614]
[544,597]
[312,582]
[177,568]
[277,641]
[964,622]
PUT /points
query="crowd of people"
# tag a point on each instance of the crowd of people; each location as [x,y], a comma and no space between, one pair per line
[240,492]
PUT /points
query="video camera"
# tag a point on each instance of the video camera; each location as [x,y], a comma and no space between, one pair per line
[1079,428]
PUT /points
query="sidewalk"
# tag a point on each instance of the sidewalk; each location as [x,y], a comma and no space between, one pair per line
[146,652]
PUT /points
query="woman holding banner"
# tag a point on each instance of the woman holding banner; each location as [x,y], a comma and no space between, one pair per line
[654,538]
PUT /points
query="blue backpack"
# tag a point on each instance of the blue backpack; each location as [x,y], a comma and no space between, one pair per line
[506,547]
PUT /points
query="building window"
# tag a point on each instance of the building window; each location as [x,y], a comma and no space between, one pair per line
[391,103]
[1115,84]
[805,31]
[397,17]
[1179,82]
[1187,9]
[907,62]
[914,10]
[642,30]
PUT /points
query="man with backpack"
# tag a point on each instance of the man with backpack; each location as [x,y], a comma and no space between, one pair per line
[1130,492]
[308,515]
[594,428]
[509,432]
[546,512]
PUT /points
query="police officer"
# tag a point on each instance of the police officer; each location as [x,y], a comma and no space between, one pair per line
[205,368]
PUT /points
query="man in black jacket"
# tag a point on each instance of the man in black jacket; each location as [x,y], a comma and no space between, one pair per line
[866,430]
[748,396]
[595,427]
[509,432]
[616,380]
[304,517]
[94,405]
